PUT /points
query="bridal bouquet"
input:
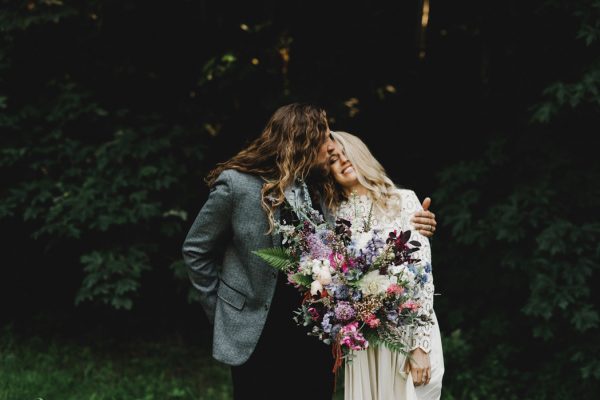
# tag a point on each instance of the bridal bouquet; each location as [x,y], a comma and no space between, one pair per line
[357,287]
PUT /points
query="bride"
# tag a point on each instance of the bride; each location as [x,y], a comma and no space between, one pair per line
[361,192]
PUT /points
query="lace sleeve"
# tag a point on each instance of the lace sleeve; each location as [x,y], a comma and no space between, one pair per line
[410,204]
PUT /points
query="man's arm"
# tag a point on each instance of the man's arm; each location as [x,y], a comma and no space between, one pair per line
[424,221]
[208,229]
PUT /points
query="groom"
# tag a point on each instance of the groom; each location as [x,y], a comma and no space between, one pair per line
[248,302]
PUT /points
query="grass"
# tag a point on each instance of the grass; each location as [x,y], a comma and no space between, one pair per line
[41,368]
[38,368]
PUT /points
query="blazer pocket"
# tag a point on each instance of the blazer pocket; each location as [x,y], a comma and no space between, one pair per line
[231,296]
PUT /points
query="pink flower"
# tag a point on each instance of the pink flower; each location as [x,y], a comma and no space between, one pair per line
[352,338]
[336,260]
[313,313]
[395,289]
[351,327]
[372,321]
[409,305]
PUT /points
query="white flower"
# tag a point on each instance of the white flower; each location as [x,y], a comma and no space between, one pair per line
[321,272]
[403,272]
[315,287]
[408,275]
[360,239]
[374,283]
[306,267]
[321,264]
[286,232]
[394,280]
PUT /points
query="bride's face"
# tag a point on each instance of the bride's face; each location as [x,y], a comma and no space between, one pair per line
[342,169]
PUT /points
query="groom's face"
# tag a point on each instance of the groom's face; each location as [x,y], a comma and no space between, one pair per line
[325,151]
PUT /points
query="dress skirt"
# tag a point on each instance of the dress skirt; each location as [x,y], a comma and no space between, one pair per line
[378,374]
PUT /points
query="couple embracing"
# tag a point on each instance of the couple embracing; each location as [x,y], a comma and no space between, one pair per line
[251,305]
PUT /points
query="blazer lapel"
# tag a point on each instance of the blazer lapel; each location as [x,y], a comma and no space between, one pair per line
[276,236]
[294,197]
[327,215]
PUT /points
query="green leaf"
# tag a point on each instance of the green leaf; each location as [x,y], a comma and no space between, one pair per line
[302,280]
[585,318]
[276,257]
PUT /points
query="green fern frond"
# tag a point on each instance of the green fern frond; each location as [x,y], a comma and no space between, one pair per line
[276,257]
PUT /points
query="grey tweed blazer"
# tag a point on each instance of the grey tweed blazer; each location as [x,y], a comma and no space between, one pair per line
[236,287]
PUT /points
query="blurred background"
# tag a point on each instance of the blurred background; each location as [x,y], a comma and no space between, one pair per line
[112,112]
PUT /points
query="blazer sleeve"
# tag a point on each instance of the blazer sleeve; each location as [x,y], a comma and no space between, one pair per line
[205,237]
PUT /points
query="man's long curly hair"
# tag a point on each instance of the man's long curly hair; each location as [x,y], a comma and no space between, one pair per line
[286,150]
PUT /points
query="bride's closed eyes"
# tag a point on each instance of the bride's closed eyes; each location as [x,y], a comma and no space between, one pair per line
[335,157]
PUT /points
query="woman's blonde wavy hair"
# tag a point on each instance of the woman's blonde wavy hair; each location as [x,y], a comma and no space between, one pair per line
[287,149]
[370,173]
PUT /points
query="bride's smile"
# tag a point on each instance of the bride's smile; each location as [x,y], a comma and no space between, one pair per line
[348,170]
[342,170]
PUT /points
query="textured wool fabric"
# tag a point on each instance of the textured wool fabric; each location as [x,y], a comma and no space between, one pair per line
[236,287]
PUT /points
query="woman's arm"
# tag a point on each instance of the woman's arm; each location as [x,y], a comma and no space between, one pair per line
[418,362]
[411,205]
[204,237]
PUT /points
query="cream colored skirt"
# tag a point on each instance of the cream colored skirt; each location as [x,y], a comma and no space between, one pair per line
[377,374]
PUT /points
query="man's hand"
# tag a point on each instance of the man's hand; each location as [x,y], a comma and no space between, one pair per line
[424,221]
[418,365]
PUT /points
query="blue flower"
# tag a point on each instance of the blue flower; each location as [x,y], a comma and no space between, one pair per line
[356,295]
[341,292]
[335,330]
[392,316]
[326,324]
[428,268]
[412,268]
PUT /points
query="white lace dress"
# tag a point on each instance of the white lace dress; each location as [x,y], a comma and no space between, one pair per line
[377,373]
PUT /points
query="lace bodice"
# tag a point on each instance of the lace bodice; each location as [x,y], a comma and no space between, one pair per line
[363,215]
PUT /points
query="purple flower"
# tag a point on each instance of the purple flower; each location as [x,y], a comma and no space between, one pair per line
[344,311]
[318,249]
